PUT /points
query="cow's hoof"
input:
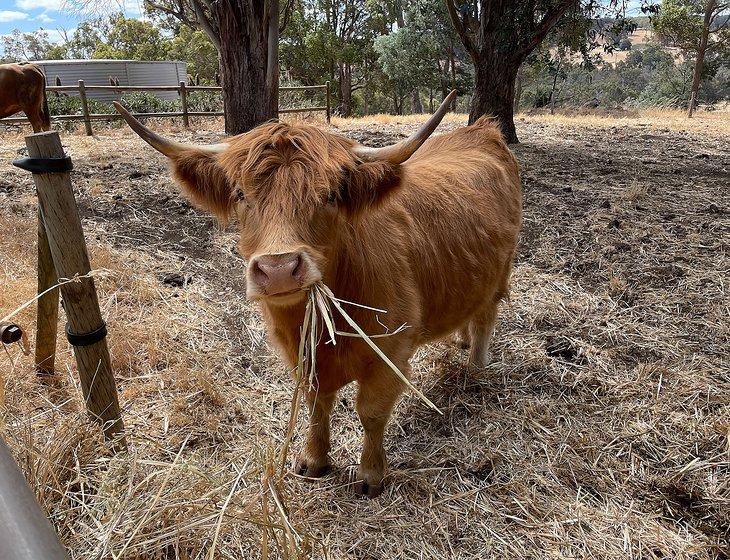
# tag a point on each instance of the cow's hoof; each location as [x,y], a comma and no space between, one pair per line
[368,485]
[311,470]
[480,361]
[364,488]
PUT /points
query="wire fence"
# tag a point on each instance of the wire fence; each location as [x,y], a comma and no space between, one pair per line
[182,89]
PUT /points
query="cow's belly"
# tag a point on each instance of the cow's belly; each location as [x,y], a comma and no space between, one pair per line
[9,110]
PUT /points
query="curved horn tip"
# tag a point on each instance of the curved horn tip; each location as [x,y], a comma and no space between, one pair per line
[120,108]
[170,148]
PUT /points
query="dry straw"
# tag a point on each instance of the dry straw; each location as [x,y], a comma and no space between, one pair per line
[623,454]
[321,304]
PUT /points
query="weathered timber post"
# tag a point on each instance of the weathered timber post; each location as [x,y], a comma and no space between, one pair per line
[85,108]
[328,101]
[47,323]
[25,533]
[85,330]
[184,103]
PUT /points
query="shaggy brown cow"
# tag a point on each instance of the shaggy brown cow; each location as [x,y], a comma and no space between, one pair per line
[428,234]
[23,88]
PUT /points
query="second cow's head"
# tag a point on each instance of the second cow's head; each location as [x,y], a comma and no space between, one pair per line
[292,188]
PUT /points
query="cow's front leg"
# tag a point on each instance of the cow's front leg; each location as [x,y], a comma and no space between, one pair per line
[313,461]
[375,400]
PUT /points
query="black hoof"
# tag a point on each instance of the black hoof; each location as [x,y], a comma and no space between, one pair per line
[371,491]
[302,469]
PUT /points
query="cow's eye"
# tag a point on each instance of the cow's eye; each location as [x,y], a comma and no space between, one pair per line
[240,196]
[331,197]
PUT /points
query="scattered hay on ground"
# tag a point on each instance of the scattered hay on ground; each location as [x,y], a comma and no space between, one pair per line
[602,429]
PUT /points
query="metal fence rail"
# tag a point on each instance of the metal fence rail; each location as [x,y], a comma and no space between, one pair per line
[25,533]
[183,89]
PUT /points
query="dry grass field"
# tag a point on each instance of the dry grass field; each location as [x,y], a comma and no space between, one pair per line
[601,430]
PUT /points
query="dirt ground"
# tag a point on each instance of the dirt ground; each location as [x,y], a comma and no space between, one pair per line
[601,430]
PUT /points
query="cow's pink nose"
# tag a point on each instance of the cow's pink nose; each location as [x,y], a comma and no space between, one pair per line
[278,274]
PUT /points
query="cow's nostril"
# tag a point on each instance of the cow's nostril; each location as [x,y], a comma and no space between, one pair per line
[259,271]
[296,271]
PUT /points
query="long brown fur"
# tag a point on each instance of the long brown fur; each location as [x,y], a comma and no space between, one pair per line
[431,240]
[23,88]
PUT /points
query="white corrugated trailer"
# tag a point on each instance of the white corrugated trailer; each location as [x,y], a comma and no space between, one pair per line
[128,72]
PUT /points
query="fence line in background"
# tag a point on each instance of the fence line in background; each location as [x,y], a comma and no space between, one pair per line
[183,90]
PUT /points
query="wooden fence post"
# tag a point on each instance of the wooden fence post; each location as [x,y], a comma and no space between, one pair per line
[47,323]
[184,103]
[86,329]
[85,108]
[328,101]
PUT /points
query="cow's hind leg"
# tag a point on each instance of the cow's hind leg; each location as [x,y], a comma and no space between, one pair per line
[481,329]
[375,400]
[463,338]
[35,120]
[313,461]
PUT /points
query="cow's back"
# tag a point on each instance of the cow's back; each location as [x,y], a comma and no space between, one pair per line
[20,86]
[462,195]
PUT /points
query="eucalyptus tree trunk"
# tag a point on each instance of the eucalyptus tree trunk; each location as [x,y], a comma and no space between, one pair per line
[700,62]
[499,35]
[248,51]
[416,105]
[494,94]
[345,89]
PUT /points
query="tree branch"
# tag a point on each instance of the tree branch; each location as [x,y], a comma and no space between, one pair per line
[206,25]
[179,15]
[461,30]
[543,28]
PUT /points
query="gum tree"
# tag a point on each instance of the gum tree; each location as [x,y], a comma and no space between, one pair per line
[499,35]
[700,28]
[246,36]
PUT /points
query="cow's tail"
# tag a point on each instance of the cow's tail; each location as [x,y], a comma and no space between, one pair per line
[46,115]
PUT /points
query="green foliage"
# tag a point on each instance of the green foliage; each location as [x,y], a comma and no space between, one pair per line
[87,37]
[205,101]
[649,77]
[679,23]
[71,105]
[146,102]
[194,47]
[19,46]
[377,53]
[132,39]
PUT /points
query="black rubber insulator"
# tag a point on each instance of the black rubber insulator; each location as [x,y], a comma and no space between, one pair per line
[86,339]
[45,165]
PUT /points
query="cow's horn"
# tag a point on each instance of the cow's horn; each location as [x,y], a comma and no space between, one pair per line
[400,152]
[170,148]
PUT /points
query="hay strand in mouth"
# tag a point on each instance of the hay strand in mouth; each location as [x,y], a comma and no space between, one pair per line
[322,293]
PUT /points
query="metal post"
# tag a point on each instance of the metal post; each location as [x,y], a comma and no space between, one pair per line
[86,330]
[25,533]
[85,108]
[184,103]
[328,101]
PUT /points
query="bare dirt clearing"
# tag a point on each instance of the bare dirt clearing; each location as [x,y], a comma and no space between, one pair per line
[602,429]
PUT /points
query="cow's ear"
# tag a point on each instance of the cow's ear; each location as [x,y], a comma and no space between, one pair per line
[367,185]
[204,181]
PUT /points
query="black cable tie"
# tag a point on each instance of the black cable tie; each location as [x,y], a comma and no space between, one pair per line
[45,165]
[86,339]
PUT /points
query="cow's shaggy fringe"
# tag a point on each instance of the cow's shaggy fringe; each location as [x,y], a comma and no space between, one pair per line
[601,431]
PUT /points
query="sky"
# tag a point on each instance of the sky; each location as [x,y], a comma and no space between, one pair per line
[55,15]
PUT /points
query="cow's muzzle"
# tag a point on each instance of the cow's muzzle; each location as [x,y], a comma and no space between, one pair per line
[281,275]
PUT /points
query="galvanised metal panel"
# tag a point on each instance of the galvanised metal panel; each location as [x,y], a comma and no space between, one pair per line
[129,73]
